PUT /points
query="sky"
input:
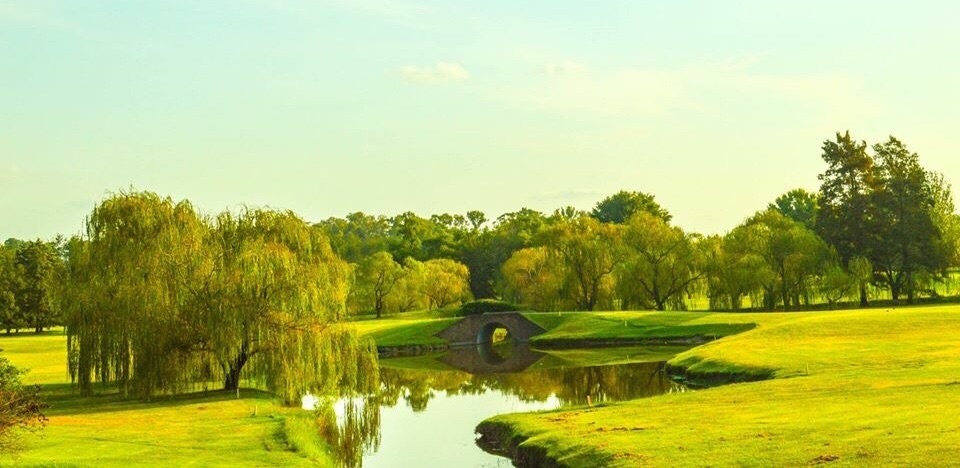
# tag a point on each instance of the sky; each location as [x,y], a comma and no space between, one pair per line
[385,106]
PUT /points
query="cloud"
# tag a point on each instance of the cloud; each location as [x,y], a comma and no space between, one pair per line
[442,72]
[718,87]
[39,15]
[566,67]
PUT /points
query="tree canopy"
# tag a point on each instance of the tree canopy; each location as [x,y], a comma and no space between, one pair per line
[159,298]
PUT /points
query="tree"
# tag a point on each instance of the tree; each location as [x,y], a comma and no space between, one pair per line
[791,255]
[21,409]
[619,207]
[160,298]
[836,283]
[10,279]
[798,205]
[847,217]
[38,265]
[477,219]
[861,271]
[585,248]
[124,297]
[845,205]
[532,277]
[661,262]
[357,236]
[407,294]
[376,278]
[445,282]
[908,239]
[945,218]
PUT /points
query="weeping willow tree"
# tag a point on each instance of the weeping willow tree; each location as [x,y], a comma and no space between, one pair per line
[273,293]
[158,298]
[124,300]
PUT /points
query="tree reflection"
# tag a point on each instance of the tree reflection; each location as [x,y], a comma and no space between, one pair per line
[351,426]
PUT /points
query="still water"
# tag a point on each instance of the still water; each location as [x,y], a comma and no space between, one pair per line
[428,406]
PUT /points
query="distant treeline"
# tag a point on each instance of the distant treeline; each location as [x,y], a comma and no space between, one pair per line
[878,221]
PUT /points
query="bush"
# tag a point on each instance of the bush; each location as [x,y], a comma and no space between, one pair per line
[20,408]
[486,305]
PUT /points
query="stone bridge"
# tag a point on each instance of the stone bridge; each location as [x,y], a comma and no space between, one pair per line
[478,329]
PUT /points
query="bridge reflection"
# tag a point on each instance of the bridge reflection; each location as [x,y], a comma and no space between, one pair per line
[489,358]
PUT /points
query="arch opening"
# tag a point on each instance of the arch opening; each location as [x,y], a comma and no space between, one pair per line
[494,332]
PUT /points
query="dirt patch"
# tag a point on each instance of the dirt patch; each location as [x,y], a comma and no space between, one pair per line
[823,459]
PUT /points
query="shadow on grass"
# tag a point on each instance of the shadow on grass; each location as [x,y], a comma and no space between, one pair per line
[65,400]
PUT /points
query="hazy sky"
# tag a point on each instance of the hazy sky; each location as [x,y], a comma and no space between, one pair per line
[385,106]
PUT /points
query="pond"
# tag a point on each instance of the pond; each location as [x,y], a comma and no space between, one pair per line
[428,406]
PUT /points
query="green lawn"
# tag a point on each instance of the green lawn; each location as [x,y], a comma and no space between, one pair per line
[571,328]
[404,331]
[871,387]
[198,429]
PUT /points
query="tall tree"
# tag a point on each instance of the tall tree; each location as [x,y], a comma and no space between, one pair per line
[159,298]
[357,236]
[661,262]
[908,239]
[798,205]
[619,207]
[585,248]
[376,278]
[847,216]
[10,279]
[445,282]
[945,218]
[792,255]
[532,277]
[123,298]
[38,264]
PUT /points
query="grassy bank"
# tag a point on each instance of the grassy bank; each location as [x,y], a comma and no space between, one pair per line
[851,388]
[199,429]
[572,328]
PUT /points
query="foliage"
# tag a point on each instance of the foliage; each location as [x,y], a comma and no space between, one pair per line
[10,279]
[445,282]
[790,257]
[484,306]
[20,408]
[531,277]
[376,278]
[621,206]
[798,205]
[907,236]
[158,298]
[660,264]
[585,248]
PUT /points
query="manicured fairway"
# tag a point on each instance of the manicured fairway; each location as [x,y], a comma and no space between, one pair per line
[849,388]
[199,429]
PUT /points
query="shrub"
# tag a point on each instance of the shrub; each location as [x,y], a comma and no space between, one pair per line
[486,305]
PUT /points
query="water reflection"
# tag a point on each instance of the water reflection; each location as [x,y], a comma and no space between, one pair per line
[422,401]
[488,358]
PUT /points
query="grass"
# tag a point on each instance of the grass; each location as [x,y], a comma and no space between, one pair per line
[571,327]
[197,429]
[403,331]
[871,387]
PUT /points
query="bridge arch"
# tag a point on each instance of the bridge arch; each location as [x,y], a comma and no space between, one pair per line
[479,329]
[488,329]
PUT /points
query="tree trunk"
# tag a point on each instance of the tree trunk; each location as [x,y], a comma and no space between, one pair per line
[232,379]
[909,286]
[863,295]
